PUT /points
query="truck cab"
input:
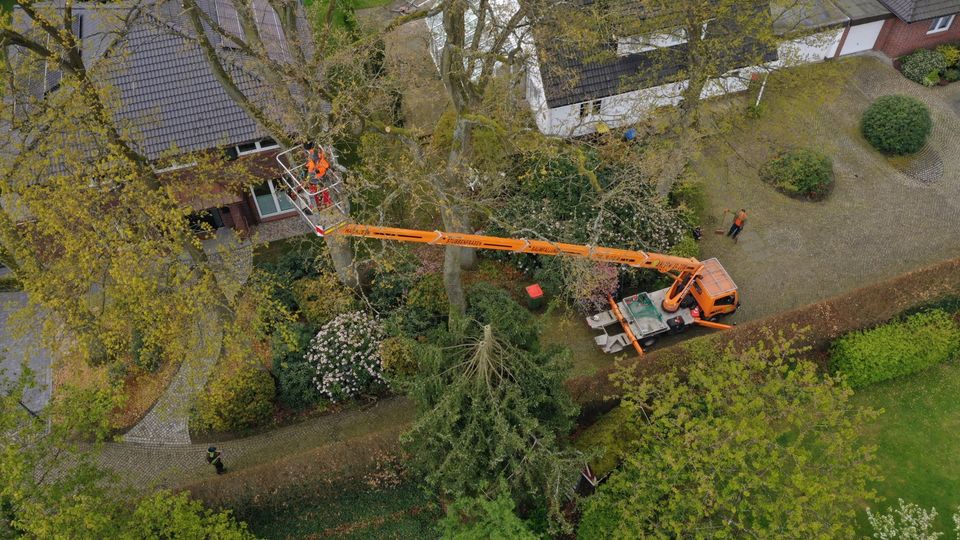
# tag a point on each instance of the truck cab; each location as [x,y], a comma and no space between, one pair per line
[714,291]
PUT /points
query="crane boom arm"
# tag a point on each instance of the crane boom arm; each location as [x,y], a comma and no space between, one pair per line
[667,264]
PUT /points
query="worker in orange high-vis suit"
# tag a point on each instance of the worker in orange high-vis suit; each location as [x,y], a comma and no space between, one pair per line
[738,222]
[317,167]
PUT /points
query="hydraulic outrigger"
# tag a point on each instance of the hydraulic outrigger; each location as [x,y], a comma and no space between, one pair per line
[701,290]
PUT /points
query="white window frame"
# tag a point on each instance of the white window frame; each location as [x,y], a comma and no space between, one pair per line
[276,201]
[259,146]
[941,24]
[590,108]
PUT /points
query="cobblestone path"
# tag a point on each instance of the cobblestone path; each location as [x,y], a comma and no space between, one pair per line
[152,466]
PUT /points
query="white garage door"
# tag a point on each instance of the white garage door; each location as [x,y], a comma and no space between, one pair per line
[861,37]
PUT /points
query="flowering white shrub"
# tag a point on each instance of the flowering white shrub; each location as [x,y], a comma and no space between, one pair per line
[345,353]
[906,522]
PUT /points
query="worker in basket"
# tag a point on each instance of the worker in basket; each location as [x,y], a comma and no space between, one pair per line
[317,167]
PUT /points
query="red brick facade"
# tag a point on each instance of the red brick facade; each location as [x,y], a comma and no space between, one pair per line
[898,38]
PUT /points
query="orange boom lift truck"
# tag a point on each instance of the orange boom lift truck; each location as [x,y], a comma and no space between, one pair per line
[701,290]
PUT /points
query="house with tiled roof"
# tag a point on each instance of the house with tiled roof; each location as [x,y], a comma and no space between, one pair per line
[896,27]
[577,89]
[173,103]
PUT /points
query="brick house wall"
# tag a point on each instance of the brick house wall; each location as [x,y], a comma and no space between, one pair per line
[898,38]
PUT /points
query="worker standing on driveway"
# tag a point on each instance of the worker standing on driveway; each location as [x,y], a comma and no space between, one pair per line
[213,458]
[738,221]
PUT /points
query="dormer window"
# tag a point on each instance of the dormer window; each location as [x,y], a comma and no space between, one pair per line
[251,148]
[649,42]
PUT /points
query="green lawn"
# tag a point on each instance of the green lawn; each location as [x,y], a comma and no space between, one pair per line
[401,512]
[567,328]
[918,439]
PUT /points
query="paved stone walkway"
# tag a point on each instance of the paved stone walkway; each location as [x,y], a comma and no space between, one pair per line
[16,348]
[884,216]
[157,466]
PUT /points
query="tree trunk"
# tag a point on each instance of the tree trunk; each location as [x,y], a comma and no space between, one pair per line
[341,253]
[675,163]
[452,264]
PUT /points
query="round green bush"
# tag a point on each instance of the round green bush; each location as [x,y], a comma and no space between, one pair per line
[801,172]
[920,66]
[896,124]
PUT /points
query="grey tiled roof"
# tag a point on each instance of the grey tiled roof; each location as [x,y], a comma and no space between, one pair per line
[574,75]
[171,98]
[918,10]
[859,10]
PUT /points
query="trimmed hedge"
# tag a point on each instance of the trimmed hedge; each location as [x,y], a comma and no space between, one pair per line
[800,173]
[896,124]
[895,349]
[825,322]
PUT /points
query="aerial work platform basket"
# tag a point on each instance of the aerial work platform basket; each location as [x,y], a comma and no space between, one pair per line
[318,194]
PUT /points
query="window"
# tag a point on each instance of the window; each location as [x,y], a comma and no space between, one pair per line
[941,24]
[725,301]
[270,201]
[590,108]
[251,147]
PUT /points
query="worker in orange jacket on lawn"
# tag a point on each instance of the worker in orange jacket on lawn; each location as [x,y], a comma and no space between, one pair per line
[738,221]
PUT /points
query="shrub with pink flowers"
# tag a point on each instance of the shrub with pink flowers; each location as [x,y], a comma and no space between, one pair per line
[345,354]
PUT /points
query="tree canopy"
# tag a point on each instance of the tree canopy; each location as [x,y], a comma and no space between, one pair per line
[754,443]
[492,413]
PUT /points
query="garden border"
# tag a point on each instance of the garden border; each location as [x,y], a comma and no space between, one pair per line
[826,320]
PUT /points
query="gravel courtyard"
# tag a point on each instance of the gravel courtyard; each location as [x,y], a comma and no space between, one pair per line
[884,216]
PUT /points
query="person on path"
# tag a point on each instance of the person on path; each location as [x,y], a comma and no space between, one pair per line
[213,458]
[738,221]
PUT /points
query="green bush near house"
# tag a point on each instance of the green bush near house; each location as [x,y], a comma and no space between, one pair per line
[896,124]
[919,65]
[800,173]
[690,197]
[951,74]
[322,298]
[896,349]
[236,400]
[950,54]
[398,356]
[296,387]
[686,247]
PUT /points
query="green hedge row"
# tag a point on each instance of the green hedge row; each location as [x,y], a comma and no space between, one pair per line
[896,349]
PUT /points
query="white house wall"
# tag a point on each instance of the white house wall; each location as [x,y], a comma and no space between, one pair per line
[809,49]
[623,110]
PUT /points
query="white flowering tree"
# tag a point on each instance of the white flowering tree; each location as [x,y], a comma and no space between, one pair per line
[345,354]
[908,521]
